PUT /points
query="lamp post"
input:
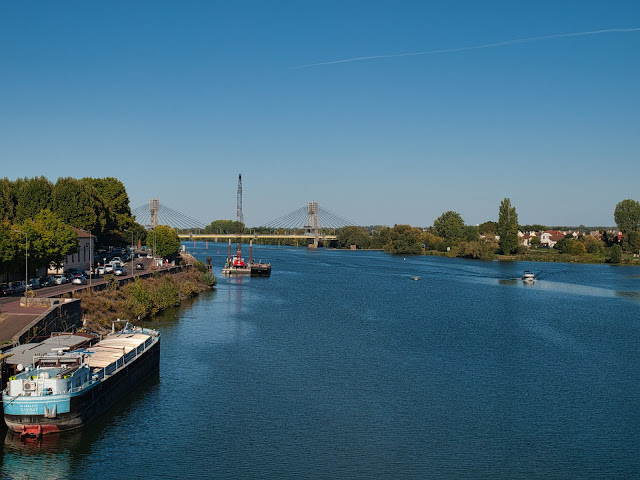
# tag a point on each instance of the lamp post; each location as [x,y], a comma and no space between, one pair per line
[26,258]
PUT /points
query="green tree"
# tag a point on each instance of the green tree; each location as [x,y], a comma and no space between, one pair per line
[449,226]
[222,227]
[79,204]
[7,199]
[507,227]
[10,249]
[380,237]
[166,239]
[592,244]
[50,240]
[32,196]
[616,254]
[357,236]
[535,242]
[570,246]
[488,229]
[632,242]
[483,249]
[431,241]
[627,216]
[471,233]
[404,239]
[116,203]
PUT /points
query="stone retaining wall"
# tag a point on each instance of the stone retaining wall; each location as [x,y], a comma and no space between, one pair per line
[59,317]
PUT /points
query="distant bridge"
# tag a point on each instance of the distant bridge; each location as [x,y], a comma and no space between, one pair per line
[312,218]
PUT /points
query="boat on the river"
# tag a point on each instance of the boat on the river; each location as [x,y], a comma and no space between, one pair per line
[236,265]
[63,390]
[528,276]
[260,269]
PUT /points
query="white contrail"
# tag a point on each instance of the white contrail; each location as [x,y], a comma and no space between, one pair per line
[477,47]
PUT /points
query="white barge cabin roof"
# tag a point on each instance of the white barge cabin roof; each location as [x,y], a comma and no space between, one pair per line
[113,347]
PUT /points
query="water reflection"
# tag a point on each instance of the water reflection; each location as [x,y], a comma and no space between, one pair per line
[46,457]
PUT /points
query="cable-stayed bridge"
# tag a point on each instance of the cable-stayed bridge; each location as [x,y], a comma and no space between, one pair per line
[309,222]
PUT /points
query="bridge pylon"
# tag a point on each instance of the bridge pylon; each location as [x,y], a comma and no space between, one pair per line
[312,212]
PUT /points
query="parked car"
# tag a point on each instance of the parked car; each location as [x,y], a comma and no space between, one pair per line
[60,279]
[5,290]
[119,271]
[18,287]
[47,281]
[139,266]
[79,279]
[34,284]
[69,276]
[101,270]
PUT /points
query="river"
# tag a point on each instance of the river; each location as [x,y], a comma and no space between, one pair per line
[341,365]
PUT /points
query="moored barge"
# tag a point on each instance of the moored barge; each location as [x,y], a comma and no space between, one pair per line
[64,390]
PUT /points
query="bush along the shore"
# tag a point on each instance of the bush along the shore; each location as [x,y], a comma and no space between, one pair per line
[142,298]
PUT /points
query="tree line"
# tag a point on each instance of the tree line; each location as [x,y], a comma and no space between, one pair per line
[449,234]
[41,213]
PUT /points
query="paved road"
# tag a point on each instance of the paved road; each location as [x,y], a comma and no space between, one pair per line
[13,317]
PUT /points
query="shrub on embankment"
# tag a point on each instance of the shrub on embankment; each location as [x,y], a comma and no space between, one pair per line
[141,298]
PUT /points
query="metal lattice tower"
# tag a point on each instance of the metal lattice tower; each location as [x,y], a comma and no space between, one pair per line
[239,214]
[154,206]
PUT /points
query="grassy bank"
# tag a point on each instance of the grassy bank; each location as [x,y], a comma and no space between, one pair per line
[141,298]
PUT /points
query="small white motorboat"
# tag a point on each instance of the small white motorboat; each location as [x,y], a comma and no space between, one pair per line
[528,276]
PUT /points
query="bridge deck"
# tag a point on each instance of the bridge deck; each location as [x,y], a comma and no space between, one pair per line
[215,236]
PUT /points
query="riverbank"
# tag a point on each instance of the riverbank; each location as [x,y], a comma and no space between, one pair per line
[546,255]
[141,299]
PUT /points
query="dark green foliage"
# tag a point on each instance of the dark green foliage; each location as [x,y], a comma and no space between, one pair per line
[449,226]
[616,254]
[115,201]
[488,229]
[224,227]
[380,237]
[471,233]
[404,239]
[631,242]
[32,196]
[507,227]
[357,236]
[627,216]
[79,204]
[7,200]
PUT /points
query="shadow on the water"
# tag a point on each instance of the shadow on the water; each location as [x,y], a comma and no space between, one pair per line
[52,456]
[630,295]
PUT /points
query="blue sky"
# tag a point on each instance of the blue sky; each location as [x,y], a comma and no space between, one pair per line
[176,98]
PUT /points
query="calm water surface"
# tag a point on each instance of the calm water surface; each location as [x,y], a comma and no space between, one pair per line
[342,366]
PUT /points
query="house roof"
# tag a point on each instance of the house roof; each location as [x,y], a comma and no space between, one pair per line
[83,233]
